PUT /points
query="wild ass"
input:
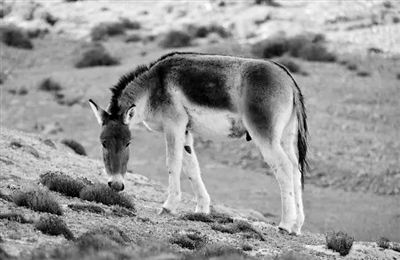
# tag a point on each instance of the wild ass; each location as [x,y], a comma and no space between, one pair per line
[218,97]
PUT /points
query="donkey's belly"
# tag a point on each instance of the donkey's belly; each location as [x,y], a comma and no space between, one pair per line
[216,125]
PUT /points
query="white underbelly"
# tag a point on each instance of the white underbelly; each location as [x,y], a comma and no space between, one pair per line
[215,124]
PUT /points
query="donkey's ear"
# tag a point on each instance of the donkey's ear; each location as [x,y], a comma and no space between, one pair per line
[98,112]
[127,116]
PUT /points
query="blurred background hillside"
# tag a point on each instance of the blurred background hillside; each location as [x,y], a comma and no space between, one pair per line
[345,55]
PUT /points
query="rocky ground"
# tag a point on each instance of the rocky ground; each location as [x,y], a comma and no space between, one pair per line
[25,156]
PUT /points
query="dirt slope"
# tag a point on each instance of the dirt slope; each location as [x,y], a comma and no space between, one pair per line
[24,157]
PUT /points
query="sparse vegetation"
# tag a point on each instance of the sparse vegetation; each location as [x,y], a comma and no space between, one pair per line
[62,183]
[14,36]
[383,242]
[190,241]
[38,200]
[290,64]
[175,39]
[104,194]
[238,226]
[217,251]
[122,212]
[90,208]
[75,146]
[103,238]
[95,55]
[107,29]
[203,31]
[352,66]
[49,85]
[133,38]
[247,247]
[207,218]
[15,217]
[306,46]
[292,255]
[6,197]
[54,226]
[363,73]
[339,242]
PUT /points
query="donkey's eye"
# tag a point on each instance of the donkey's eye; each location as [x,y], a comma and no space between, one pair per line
[103,144]
[128,143]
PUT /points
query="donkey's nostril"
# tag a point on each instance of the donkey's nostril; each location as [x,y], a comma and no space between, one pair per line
[109,184]
[122,188]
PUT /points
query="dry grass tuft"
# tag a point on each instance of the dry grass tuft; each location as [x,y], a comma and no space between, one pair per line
[54,226]
[75,146]
[207,218]
[15,37]
[38,200]
[49,85]
[62,183]
[122,212]
[339,242]
[383,242]
[306,46]
[89,208]
[290,64]
[190,241]
[216,251]
[104,194]
[16,217]
[103,238]
[96,54]
[238,226]
[175,39]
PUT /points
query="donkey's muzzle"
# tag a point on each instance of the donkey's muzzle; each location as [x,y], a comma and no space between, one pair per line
[117,186]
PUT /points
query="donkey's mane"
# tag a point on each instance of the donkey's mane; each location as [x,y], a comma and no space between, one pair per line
[118,89]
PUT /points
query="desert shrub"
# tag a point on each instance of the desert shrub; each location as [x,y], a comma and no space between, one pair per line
[89,208]
[363,73]
[203,31]
[49,18]
[190,241]
[215,251]
[38,200]
[383,242]
[102,238]
[292,255]
[306,46]
[105,29]
[104,194]
[15,37]
[290,64]
[271,47]
[75,146]
[133,38]
[247,247]
[175,39]
[62,183]
[339,242]
[128,24]
[54,226]
[351,66]
[49,85]
[16,217]
[96,55]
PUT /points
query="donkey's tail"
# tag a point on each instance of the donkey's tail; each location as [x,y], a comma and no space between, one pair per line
[302,131]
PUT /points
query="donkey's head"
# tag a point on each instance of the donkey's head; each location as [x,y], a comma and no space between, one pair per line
[115,138]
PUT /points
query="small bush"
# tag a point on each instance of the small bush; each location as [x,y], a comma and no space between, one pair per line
[363,73]
[203,31]
[54,226]
[62,183]
[38,200]
[103,238]
[105,29]
[290,64]
[133,38]
[175,39]
[15,217]
[104,194]
[247,247]
[89,208]
[128,24]
[383,242]
[96,55]
[75,146]
[15,37]
[352,66]
[339,242]
[307,46]
[49,85]
[190,241]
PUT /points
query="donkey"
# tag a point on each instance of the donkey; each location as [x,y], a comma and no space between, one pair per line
[219,97]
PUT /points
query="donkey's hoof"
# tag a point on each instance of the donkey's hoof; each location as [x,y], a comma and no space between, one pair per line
[283,230]
[164,211]
[296,231]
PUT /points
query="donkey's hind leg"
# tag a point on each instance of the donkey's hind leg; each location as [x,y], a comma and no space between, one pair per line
[191,168]
[273,153]
[289,142]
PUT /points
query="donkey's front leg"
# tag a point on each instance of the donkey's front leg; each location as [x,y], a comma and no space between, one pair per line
[175,140]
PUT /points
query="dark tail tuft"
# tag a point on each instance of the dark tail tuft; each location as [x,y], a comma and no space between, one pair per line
[302,133]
